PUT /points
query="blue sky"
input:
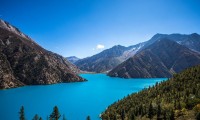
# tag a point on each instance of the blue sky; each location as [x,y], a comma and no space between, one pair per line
[77,27]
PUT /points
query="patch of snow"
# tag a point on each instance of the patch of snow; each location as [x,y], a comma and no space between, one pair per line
[179,42]
[129,53]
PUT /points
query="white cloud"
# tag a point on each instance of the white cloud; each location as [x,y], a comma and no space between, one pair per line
[99,46]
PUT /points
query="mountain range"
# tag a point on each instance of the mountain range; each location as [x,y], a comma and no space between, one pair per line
[24,62]
[107,59]
[113,60]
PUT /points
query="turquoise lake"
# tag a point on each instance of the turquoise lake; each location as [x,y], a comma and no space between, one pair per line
[75,100]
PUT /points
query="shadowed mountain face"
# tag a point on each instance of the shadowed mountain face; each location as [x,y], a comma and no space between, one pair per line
[24,62]
[108,59]
[163,58]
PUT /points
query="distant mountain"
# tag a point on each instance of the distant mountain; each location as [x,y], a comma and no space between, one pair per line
[24,62]
[162,58]
[107,59]
[72,59]
[175,99]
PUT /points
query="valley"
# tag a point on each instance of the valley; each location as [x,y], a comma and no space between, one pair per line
[90,65]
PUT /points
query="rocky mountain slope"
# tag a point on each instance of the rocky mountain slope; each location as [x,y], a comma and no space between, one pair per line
[107,59]
[175,99]
[24,62]
[163,58]
[72,59]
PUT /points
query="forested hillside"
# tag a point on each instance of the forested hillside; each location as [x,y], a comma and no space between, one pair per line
[177,98]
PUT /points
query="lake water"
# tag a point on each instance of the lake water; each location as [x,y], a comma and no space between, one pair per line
[75,100]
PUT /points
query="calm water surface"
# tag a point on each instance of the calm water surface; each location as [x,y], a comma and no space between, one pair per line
[75,100]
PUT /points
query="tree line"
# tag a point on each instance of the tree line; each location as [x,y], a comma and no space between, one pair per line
[55,115]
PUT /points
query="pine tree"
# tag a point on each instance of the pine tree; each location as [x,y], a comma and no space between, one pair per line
[55,115]
[88,118]
[158,112]
[22,114]
[123,115]
[136,111]
[36,117]
[140,110]
[175,104]
[64,118]
[115,117]
[187,103]
[198,116]
[172,115]
[179,105]
[150,112]
[164,115]
[132,117]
